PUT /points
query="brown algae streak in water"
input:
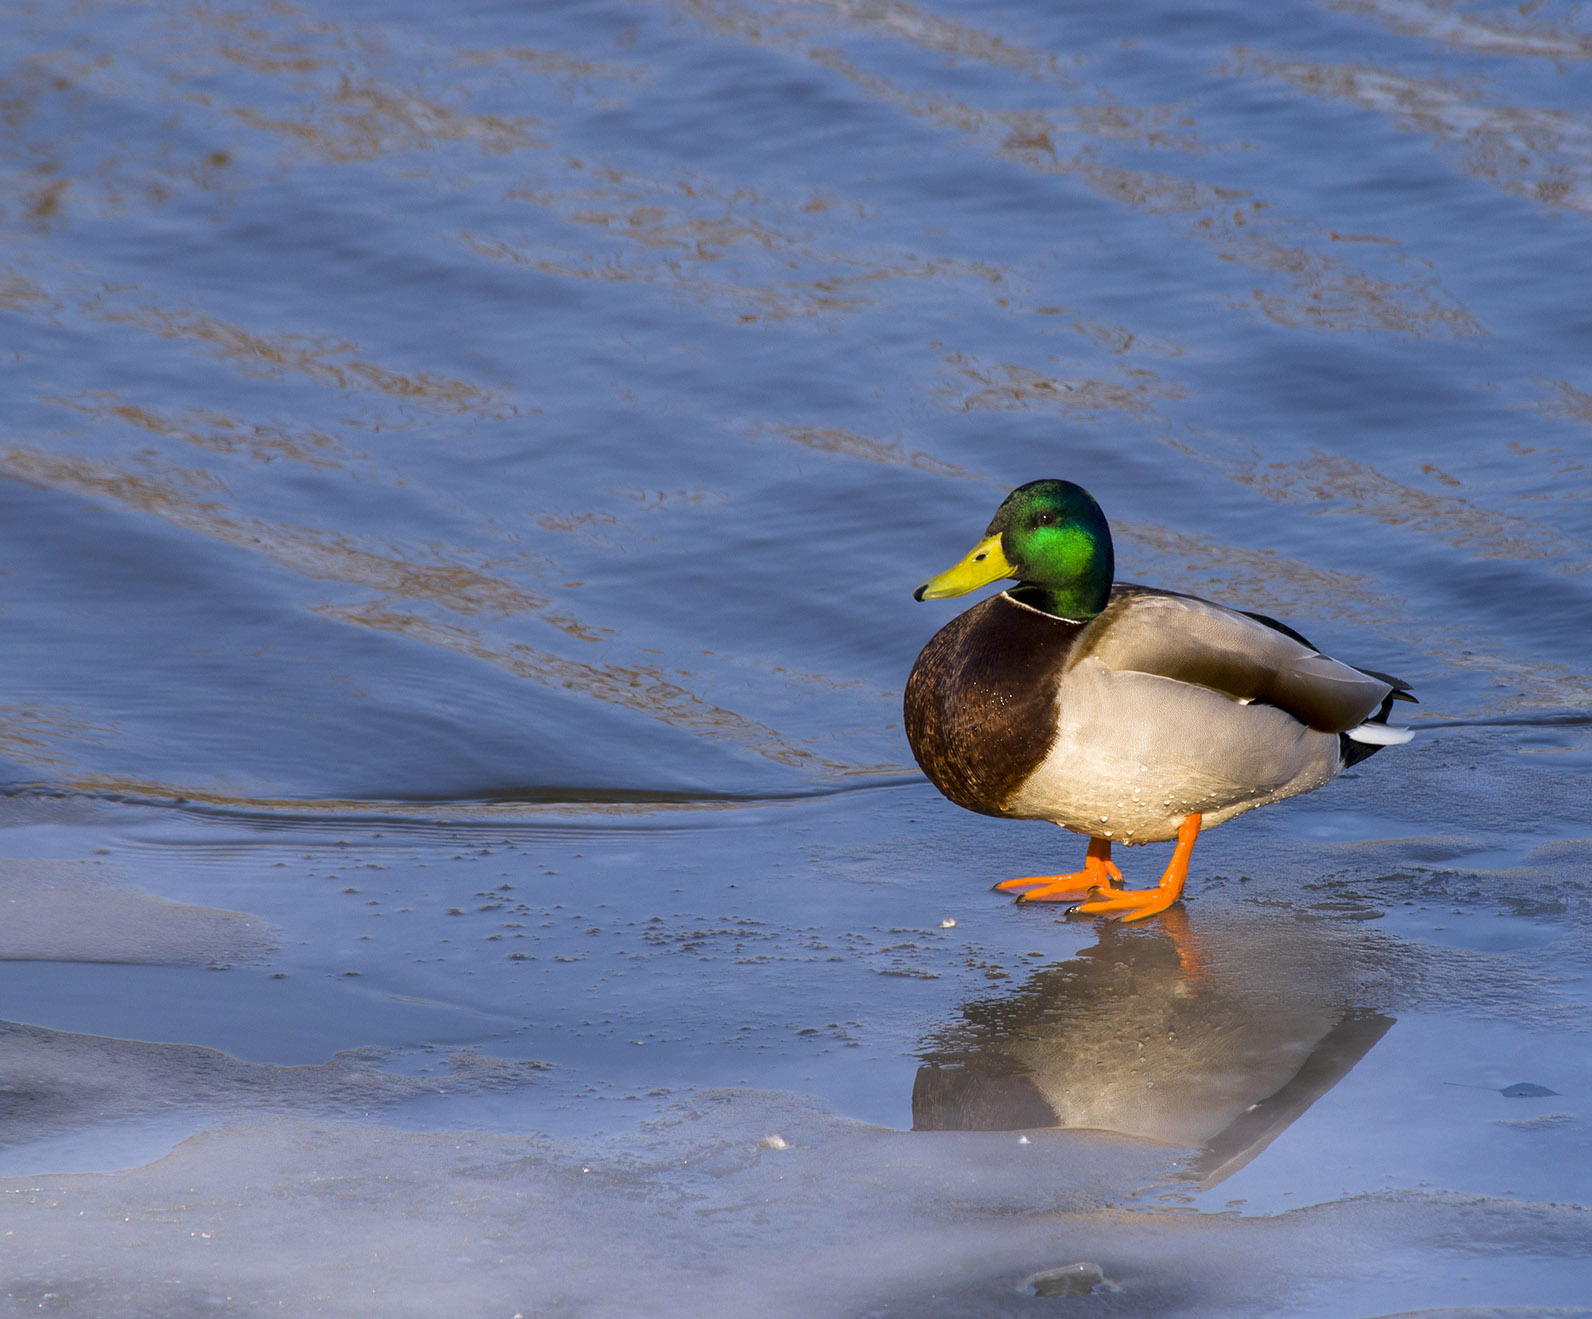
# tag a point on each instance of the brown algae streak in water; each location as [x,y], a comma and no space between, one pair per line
[313,553]
[1527,152]
[1007,387]
[327,362]
[829,282]
[668,231]
[633,687]
[320,90]
[334,101]
[1325,292]
[790,26]
[457,587]
[356,123]
[18,293]
[1346,485]
[832,440]
[30,735]
[1460,31]
[499,811]
[562,66]
[1562,399]
[214,432]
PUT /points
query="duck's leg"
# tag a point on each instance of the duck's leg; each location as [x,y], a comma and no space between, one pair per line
[1129,904]
[1098,873]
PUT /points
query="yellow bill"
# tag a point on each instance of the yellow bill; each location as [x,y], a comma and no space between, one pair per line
[984,563]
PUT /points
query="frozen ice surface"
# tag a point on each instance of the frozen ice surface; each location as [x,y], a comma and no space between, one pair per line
[694,1216]
[57,1083]
[635,1175]
[73,910]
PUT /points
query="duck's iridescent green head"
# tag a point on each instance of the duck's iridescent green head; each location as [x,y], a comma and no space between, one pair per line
[1052,537]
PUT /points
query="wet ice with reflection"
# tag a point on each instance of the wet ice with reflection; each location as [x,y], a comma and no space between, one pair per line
[1210,1033]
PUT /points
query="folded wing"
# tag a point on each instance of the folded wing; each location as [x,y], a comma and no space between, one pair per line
[1195,641]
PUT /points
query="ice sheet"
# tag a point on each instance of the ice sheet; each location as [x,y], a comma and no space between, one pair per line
[698,1215]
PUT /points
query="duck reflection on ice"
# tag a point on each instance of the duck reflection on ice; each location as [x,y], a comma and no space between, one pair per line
[1216,1036]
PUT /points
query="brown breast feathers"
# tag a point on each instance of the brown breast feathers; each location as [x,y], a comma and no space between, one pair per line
[980,705]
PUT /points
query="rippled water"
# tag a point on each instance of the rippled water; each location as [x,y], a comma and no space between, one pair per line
[465,472]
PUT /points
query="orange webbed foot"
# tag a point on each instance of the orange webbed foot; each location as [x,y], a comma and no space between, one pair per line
[1098,874]
[1128,904]
[1137,904]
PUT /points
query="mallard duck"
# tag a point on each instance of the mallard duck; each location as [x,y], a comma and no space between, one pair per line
[1118,711]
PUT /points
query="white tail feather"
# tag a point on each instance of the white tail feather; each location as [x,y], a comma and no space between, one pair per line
[1380,735]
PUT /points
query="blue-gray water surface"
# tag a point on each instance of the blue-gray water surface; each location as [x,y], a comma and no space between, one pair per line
[464,473]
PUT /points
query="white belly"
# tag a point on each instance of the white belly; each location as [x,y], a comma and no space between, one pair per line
[1136,753]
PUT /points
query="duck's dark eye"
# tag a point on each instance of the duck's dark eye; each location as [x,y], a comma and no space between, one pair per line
[1044,519]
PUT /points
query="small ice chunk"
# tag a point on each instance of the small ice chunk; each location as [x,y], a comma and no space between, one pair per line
[1070,1280]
